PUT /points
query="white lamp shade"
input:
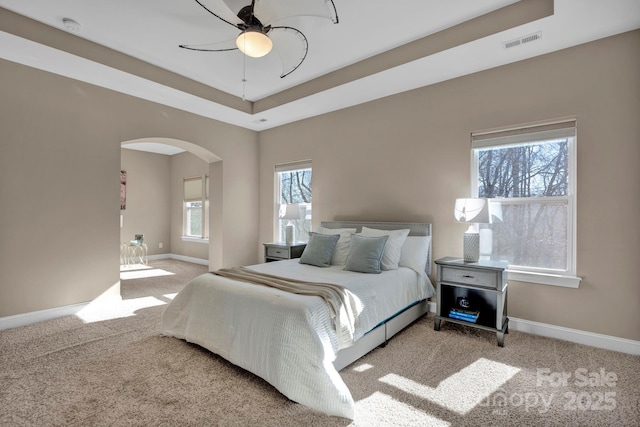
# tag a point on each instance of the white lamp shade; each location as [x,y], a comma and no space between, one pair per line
[254,43]
[472,210]
[291,211]
[495,209]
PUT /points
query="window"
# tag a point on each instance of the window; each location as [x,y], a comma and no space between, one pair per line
[293,186]
[196,208]
[530,174]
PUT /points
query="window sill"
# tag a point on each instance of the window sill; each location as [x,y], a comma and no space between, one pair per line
[194,239]
[545,278]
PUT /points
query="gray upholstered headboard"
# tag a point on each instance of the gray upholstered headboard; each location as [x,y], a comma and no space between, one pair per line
[415,229]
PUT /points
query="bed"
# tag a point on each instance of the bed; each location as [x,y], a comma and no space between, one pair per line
[293,341]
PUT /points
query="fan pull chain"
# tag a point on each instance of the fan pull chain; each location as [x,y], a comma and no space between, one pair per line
[244,73]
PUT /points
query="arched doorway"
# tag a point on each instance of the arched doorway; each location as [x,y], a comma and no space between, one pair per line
[215,187]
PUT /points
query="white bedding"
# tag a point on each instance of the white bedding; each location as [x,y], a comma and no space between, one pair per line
[288,339]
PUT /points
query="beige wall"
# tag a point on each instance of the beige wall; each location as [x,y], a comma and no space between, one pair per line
[407,157]
[59,185]
[148,209]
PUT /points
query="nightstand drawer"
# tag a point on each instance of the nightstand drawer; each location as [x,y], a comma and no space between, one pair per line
[486,279]
[277,252]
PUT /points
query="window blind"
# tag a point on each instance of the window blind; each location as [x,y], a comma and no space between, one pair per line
[192,189]
[514,136]
[287,167]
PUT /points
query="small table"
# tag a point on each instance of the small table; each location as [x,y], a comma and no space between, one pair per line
[473,294]
[131,254]
[277,251]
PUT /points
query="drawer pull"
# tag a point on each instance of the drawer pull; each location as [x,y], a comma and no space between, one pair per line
[466,276]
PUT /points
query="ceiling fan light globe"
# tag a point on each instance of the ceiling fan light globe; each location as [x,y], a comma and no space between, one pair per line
[254,43]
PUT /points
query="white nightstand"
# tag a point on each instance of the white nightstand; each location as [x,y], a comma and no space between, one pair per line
[465,289]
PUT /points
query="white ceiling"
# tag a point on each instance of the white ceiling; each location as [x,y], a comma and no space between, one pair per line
[154,147]
[151,31]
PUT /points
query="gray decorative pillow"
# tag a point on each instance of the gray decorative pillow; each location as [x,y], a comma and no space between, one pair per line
[319,249]
[365,254]
[342,248]
[392,249]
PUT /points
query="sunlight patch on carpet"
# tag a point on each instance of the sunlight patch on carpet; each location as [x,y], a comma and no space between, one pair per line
[380,409]
[462,391]
[130,267]
[363,367]
[116,310]
[144,274]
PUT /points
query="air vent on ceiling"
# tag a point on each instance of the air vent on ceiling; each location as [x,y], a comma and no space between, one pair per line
[71,24]
[522,40]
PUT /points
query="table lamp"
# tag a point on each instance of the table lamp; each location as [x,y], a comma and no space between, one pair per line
[473,211]
[289,212]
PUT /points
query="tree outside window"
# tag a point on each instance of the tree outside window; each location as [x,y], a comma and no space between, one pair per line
[294,187]
[531,178]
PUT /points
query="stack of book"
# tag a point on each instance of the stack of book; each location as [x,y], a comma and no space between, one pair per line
[462,314]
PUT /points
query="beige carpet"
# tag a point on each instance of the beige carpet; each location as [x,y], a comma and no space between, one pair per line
[121,372]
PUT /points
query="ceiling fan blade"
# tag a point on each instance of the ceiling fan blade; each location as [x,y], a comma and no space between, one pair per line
[212,47]
[221,10]
[272,11]
[291,46]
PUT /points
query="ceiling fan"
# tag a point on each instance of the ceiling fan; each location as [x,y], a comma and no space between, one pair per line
[258,34]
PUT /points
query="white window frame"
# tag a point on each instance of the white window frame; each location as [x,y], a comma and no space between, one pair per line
[204,199]
[564,128]
[278,229]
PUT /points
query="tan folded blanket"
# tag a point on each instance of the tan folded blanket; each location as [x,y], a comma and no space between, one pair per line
[343,305]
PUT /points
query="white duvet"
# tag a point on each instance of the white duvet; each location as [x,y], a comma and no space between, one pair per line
[288,339]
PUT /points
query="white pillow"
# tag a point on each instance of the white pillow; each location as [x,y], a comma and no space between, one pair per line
[342,247]
[392,249]
[415,252]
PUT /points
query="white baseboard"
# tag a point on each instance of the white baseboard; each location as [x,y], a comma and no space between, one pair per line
[574,335]
[40,315]
[179,258]
[592,339]
[432,306]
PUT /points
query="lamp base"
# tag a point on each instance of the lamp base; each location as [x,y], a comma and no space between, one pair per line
[471,247]
[289,234]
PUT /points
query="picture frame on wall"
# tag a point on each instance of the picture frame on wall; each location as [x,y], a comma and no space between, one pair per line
[123,190]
